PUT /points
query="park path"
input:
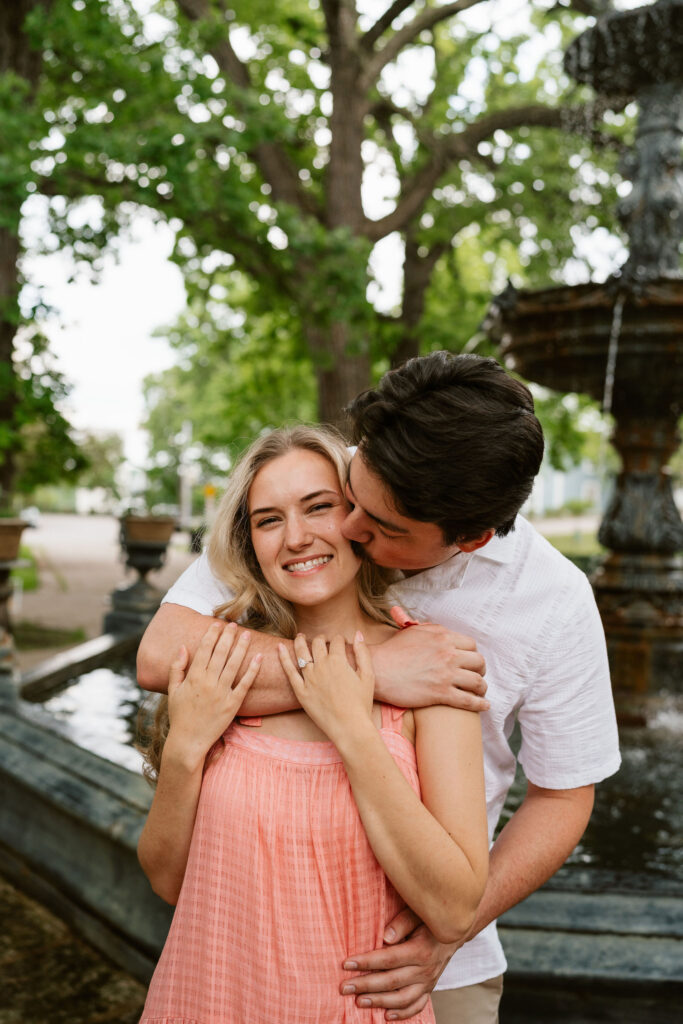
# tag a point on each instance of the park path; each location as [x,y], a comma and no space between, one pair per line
[79,564]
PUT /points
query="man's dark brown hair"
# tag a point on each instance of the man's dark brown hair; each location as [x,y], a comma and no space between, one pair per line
[455,440]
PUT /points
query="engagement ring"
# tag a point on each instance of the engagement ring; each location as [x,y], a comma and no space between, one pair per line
[302,663]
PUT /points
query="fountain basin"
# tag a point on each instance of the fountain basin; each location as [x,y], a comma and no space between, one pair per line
[560,338]
[71,819]
[626,340]
[620,54]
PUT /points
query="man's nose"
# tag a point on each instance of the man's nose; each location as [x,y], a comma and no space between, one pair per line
[355,528]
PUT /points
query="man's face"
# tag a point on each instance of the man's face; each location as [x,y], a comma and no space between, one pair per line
[387,537]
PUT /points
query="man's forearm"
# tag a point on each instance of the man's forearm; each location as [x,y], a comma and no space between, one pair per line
[174,626]
[534,844]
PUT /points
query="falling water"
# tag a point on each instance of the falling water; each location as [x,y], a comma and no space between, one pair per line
[614,334]
[610,373]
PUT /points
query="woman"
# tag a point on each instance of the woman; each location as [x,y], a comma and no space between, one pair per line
[290,842]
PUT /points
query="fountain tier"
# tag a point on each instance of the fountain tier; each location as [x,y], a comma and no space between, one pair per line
[622,343]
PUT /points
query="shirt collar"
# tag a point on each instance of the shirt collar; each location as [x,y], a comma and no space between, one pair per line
[449,575]
[499,549]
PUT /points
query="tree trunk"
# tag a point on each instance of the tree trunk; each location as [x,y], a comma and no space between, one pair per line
[345,169]
[342,364]
[9,308]
[341,374]
[417,273]
[16,56]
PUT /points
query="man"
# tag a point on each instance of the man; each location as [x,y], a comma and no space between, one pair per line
[448,448]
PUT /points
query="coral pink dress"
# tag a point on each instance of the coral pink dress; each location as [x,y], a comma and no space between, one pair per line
[281,886]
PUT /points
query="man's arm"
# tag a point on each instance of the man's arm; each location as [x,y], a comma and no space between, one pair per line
[417,667]
[530,849]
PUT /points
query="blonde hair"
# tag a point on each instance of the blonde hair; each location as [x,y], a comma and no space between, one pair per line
[233,560]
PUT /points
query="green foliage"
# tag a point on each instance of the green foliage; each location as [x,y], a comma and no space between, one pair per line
[561,418]
[229,127]
[237,374]
[104,455]
[38,435]
[32,636]
[27,576]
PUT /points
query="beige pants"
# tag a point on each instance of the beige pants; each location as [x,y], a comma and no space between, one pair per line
[472,1004]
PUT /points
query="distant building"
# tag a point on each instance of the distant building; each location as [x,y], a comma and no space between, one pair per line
[556,489]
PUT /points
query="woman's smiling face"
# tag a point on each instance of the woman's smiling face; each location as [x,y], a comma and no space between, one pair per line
[296,508]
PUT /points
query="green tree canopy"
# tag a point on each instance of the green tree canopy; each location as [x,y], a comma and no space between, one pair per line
[284,145]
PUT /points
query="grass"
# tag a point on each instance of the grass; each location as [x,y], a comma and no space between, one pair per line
[30,636]
[584,544]
[29,575]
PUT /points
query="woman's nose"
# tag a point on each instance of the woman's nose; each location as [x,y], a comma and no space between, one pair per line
[297,533]
[355,527]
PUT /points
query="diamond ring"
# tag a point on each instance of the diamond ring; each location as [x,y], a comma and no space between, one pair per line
[302,662]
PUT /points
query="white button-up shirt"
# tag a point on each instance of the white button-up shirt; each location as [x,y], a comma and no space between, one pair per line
[534,618]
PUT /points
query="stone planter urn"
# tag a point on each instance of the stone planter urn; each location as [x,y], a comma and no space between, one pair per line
[144,540]
[147,528]
[11,530]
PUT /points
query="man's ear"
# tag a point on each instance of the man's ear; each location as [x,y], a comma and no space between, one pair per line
[472,545]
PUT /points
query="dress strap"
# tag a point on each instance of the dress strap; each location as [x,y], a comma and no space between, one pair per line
[254,722]
[392,718]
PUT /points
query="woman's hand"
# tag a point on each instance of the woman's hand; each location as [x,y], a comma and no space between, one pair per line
[203,701]
[335,697]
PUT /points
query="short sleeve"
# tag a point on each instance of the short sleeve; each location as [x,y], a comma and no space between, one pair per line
[568,722]
[198,588]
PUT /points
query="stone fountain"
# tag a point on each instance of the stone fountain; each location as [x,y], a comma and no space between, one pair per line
[622,343]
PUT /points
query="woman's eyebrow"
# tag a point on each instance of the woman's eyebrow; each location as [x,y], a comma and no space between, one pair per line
[306,497]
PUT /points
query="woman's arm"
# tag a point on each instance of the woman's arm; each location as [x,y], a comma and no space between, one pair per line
[434,852]
[202,704]
[164,843]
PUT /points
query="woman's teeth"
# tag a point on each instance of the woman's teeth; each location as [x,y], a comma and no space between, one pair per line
[310,564]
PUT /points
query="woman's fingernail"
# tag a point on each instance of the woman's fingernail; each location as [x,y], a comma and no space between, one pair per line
[359,636]
[348,990]
[350,965]
[364,1002]
[389,935]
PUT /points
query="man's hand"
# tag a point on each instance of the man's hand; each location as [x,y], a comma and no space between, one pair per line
[402,973]
[428,664]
